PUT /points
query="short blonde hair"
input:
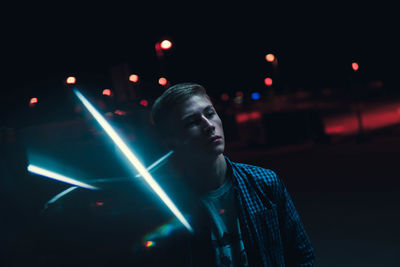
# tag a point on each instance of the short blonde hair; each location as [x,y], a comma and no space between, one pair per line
[172,97]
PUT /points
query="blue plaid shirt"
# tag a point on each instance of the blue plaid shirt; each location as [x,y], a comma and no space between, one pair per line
[272,230]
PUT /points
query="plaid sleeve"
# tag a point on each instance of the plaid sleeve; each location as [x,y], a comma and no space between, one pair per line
[298,250]
[270,190]
[297,245]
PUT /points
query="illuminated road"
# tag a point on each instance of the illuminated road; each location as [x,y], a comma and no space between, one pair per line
[373,116]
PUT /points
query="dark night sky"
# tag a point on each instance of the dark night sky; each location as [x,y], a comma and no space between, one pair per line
[222,47]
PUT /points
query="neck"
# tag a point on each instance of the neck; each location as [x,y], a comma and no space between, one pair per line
[208,174]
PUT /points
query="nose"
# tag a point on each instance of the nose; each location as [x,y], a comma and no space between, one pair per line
[208,126]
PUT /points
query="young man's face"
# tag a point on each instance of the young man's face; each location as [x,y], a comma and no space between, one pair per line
[197,129]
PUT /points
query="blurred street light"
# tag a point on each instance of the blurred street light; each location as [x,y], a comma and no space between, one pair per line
[225,97]
[255,96]
[162,81]
[134,78]
[163,45]
[107,92]
[33,101]
[270,57]
[144,102]
[268,81]
[70,80]
[354,66]
[166,44]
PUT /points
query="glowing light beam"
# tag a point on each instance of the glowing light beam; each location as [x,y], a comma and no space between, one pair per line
[58,177]
[60,195]
[133,159]
[154,166]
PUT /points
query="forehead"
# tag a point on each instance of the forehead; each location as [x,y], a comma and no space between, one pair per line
[194,104]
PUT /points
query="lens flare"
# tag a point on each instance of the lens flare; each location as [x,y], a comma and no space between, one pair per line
[163,231]
[149,244]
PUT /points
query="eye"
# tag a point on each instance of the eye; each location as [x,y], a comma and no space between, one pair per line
[210,113]
[192,122]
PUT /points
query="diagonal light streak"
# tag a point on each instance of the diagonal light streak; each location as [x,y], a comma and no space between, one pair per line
[133,159]
[58,177]
[158,163]
[60,195]
[151,168]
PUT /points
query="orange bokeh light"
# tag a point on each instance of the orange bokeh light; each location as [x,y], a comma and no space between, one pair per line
[355,66]
[270,57]
[134,78]
[166,44]
[162,81]
[70,80]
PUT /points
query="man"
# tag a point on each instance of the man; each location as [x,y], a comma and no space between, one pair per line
[245,216]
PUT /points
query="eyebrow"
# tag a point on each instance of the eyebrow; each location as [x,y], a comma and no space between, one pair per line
[194,114]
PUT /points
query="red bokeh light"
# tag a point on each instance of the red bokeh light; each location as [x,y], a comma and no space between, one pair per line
[355,66]
[268,81]
[243,117]
[255,115]
[107,92]
[239,94]
[225,97]
[120,112]
[33,100]
[144,102]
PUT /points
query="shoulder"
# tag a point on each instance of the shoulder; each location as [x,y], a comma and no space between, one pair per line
[262,176]
[253,180]
[257,172]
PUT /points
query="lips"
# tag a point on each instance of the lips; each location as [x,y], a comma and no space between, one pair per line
[214,138]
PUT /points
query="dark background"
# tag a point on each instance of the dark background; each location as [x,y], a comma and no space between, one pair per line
[220,46]
[346,189]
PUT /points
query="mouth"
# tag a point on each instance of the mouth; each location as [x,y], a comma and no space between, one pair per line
[214,139]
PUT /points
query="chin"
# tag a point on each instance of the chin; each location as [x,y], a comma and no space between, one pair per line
[218,150]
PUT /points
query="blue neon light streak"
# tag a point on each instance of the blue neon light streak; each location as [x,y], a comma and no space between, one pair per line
[133,159]
[58,177]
